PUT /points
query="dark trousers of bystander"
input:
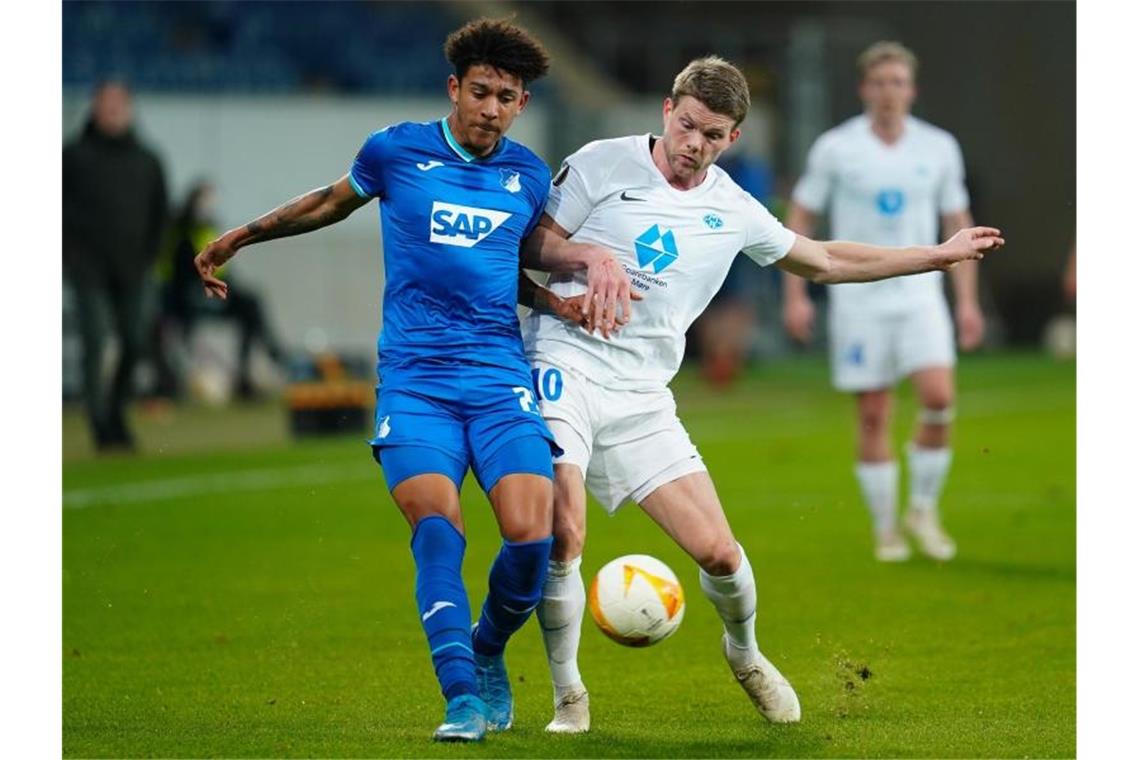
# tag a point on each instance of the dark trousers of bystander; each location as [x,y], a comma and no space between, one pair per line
[106,307]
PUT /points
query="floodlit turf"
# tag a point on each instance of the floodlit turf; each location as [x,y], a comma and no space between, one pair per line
[258,601]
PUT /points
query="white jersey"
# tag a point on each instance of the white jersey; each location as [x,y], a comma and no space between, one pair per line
[676,246]
[891,195]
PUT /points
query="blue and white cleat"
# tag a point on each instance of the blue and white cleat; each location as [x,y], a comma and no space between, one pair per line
[495,689]
[466,720]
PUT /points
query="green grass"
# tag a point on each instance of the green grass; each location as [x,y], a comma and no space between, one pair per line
[272,614]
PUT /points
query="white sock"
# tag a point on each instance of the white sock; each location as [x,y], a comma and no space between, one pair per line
[928,468]
[734,597]
[879,482]
[560,616]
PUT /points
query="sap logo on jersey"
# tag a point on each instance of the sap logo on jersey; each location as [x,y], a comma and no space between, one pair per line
[464,226]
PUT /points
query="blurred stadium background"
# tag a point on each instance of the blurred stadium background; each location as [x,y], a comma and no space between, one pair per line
[269,99]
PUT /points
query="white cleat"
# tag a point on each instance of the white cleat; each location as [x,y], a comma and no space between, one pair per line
[571,713]
[891,547]
[773,696]
[927,531]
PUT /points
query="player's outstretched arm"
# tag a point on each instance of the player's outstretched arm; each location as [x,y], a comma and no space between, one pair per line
[837,261]
[606,304]
[799,312]
[305,213]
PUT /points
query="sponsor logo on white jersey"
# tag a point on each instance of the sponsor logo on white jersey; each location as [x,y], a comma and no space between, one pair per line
[464,226]
[655,249]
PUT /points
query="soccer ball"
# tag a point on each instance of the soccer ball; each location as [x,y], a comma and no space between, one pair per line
[636,600]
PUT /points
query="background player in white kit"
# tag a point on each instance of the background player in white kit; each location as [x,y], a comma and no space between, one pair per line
[675,222]
[889,179]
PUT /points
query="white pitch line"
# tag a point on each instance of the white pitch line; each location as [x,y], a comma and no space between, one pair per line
[214,483]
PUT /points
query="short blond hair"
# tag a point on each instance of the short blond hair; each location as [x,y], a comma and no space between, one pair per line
[884,51]
[716,83]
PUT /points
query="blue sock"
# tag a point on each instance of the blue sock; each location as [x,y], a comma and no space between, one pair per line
[442,601]
[515,589]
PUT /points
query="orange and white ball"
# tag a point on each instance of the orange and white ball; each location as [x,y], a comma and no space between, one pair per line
[636,600]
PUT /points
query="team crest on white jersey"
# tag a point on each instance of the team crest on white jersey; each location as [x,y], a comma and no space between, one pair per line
[464,226]
[510,180]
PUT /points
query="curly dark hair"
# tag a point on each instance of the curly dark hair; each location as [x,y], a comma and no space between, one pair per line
[499,44]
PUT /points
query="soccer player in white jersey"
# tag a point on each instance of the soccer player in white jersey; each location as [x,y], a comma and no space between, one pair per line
[675,222]
[890,179]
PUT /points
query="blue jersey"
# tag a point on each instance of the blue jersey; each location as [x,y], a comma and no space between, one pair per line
[451,225]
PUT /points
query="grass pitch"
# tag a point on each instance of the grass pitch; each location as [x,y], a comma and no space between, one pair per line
[256,600]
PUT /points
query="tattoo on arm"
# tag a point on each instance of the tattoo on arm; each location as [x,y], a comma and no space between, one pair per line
[304,213]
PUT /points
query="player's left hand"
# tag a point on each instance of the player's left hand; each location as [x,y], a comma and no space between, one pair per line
[606,304]
[971,326]
[572,310]
[213,257]
[969,244]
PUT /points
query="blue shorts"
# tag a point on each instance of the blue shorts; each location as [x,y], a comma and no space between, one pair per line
[445,417]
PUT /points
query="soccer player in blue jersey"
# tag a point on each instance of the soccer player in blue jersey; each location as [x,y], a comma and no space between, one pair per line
[457,200]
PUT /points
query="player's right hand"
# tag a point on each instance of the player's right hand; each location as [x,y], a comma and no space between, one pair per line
[799,315]
[212,258]
[606,305]
[969,244]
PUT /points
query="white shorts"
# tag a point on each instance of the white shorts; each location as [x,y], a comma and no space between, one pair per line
[873,351]
[626,443]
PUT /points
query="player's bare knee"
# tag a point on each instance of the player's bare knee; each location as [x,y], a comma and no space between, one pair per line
[523,507]
[417,500]
[526,523]
[569,537]
[939,402]
[719,557]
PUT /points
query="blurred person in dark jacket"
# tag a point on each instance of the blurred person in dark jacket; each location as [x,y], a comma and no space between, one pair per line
[114,214]
[184,303]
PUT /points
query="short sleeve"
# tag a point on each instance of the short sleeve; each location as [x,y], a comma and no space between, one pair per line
[572,193]
[367,173]
[952,194]
[815,186]
[766,240]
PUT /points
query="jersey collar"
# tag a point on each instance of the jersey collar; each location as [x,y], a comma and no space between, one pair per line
[908,128]
[459,150]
